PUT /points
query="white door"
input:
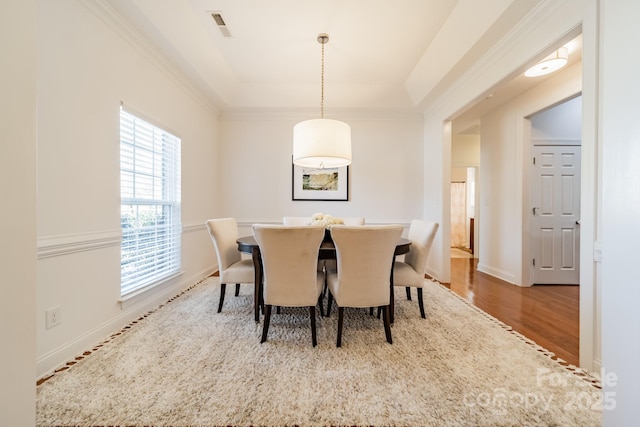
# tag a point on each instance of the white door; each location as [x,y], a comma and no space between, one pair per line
[556,215]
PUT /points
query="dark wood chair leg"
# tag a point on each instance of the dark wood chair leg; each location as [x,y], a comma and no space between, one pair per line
[379,311]
[223,287]
[265,324]
[261,302]
[321,306]
[237,289]
[326,285]
[312,314]
[340,319]
[278,309]
[421,303]
[330,300]
[387,324]
[408,289]
[258,301]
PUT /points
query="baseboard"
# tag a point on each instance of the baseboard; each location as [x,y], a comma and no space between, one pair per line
[500,274]
[59,357]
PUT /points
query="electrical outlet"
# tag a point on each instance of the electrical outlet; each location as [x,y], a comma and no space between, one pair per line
[53,317]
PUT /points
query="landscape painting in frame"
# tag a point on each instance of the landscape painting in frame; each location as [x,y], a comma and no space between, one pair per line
[320,184]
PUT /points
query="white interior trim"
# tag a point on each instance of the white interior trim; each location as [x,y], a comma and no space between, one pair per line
[52,246]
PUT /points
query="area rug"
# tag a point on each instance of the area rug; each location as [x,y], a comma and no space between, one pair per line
[186,365]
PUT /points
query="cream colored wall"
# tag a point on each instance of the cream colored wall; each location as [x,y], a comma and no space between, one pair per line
[546,25]
[616,99]
[18,214]
[620,212]
[560,125]
[505,158]
[465,151]
[87,65]
[549,24]
[458,174]
[386,175]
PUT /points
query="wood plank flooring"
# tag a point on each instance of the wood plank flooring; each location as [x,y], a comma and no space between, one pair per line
[547,314]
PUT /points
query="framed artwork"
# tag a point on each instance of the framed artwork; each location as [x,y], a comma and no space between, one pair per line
[320,184]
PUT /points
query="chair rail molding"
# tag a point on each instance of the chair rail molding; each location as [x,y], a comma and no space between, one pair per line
[53,246]
[194,227]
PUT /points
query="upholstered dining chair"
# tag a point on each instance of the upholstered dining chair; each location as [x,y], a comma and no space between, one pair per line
[305,220]
[410,272]
[302,220]
[232,267]
[291,279]
[296,220]
[354,220]
[364,255]
[330,264]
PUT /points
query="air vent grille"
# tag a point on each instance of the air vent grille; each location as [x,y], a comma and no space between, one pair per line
[222,25]
[218,18]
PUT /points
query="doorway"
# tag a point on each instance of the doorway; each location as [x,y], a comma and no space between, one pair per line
[555,194]
[463,211]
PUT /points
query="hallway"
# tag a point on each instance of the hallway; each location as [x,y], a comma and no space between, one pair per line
[547,314]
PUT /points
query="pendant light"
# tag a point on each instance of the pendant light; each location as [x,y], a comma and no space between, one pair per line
[553,62]
[322,143]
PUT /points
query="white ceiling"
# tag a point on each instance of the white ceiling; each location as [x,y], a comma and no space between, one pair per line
[391,54]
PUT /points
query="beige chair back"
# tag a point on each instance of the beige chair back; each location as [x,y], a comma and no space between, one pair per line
[296,220]
[289,259]
[224,233]
[354,220]
[421,234]
[305,220]
[364,258]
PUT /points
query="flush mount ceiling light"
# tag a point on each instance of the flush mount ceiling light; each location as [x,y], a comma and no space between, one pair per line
[551,63]
[322,143]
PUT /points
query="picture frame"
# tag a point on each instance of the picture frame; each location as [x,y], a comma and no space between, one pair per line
[328,184]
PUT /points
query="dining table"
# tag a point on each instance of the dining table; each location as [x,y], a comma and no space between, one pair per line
[249,245]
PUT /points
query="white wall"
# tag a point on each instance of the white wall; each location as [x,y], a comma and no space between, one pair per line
[559,125]
[465,163]
[18,224]
[465,151]
[620,133]
[88,62]
[385,177]
[504,175]
[549,23]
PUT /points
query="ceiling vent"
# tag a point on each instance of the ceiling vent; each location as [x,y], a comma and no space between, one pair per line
[222,26]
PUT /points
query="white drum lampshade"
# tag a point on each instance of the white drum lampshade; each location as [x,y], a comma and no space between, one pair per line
[322,143]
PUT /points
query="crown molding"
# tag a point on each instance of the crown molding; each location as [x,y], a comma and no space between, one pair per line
[110,16]
[509,47]
[297,114]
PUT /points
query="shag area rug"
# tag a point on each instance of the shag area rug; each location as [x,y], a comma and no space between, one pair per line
[183,364]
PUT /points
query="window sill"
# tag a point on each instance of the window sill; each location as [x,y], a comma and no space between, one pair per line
[145,292]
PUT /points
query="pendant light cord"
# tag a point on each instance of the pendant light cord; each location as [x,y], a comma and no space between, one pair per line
[322,85]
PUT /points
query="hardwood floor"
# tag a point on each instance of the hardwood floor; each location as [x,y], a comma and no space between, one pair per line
[547,314]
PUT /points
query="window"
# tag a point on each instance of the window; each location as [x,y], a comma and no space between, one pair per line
[149,204]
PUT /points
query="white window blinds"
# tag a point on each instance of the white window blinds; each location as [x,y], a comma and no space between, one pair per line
[150,203]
